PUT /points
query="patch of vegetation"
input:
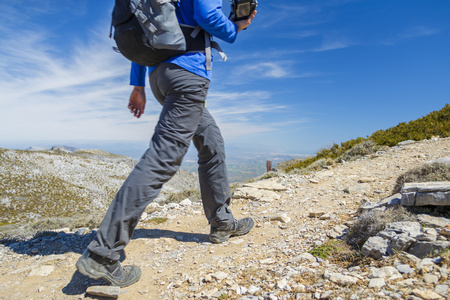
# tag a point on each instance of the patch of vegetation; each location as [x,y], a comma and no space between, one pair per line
[333,153]
[436,211]
[176,197]
[156,220]
[268,175]
[370,223]
[436,123]
[424,173]
[264,176]
[327,249]
[362,149]
[445,257]
[338,252]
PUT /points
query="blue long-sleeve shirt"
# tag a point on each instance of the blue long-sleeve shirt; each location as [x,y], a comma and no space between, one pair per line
[208,15]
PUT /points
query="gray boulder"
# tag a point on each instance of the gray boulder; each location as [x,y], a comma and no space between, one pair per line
[422,249]
[375,247]
[426,193]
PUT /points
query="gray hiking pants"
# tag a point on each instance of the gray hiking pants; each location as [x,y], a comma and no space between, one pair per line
[183,118]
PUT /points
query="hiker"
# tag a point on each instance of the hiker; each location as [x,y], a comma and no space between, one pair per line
[180,84]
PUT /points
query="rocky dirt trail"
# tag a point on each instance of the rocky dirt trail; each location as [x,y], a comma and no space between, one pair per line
[294,213]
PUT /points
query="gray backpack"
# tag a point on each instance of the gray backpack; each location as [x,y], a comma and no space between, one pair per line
[147,32]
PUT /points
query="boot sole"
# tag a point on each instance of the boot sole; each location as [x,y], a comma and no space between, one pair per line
[83,268]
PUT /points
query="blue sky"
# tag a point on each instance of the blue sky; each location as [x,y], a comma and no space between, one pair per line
[305,75]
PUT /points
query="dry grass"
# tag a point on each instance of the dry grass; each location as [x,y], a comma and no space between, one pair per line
[424,173]
[372,222]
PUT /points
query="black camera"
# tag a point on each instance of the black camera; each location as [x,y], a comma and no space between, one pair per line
[242,9]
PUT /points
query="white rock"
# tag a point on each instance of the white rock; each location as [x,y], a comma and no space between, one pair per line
[377,283]
[305,257]
[104,291]
[42,271]
[282,284]
[430,278]
[173,205]
[154,205]
[143,216]
[340,278]
[283,218]
[253,289]
[404,269]
[219,275]
[268,261]
[241,290]
[427,295]
[390,273]
[186,202]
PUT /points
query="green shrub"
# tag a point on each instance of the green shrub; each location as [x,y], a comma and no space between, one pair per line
[364,148]
[331,153]
[424,173]
[326,249]
[436,123]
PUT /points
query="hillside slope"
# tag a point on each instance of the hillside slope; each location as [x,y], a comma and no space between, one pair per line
[55,184]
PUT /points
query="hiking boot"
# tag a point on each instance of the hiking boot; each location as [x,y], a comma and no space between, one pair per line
[241,227]
[94,266]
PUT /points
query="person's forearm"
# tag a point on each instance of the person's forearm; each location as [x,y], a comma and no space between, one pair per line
[209,15]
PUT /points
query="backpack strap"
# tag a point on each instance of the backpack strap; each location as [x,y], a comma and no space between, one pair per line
[212,44]
[197,42]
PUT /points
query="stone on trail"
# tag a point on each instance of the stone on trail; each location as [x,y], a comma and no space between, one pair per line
[219,275]
[430,278]
[186,202]
[104,291]
[340,278]
[388,272]
[423,249]
[267,185]
[316,214]
[337,231]
[404,269]
[256,194]
[376,283]
[375,247]
[42,271]
[445,231]
[427,295]
[283,218]
[304,257]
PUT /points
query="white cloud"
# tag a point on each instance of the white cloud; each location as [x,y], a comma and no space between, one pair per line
[411,33]
[419,31]
[265,69]
[79,95]
[49,94]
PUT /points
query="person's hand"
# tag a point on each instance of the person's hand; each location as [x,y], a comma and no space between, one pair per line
[243,24]
[137,101]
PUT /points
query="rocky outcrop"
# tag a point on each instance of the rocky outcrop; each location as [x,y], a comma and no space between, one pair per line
[426,193]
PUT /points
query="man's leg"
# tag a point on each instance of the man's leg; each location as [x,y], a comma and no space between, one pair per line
[182,95]
[214,185]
